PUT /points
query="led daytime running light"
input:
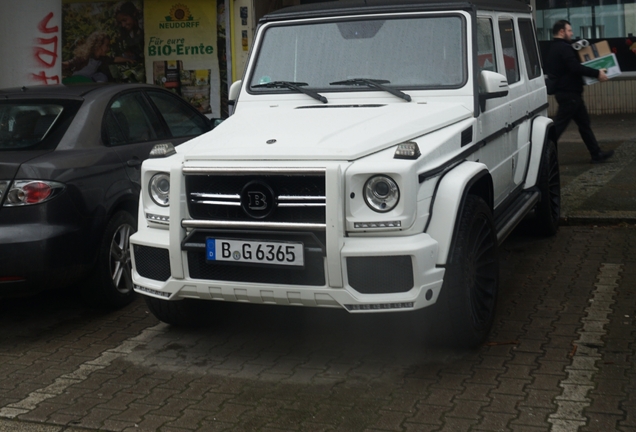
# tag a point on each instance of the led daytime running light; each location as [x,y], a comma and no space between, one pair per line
[375,225]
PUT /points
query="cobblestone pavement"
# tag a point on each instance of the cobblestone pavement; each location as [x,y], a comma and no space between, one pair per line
[561,357]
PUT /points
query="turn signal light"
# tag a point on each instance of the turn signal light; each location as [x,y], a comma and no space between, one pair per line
[407,150]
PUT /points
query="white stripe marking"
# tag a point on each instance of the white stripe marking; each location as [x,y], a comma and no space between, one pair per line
[83,371]
[573,400]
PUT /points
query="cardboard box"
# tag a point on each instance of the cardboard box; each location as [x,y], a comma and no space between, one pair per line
[608,62]
[599,49]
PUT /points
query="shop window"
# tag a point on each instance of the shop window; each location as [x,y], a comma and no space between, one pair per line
[508,44]
[530,52]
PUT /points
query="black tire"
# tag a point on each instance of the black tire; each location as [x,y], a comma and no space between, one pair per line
[110,284]
[467,301]
[548,210]
[184,313]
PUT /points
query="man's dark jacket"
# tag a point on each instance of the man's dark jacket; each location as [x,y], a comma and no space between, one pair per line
[563,65]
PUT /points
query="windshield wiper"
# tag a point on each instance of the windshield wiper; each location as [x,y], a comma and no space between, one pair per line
[376,83]
[293,86]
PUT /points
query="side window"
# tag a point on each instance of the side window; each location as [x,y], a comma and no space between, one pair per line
[130,120]
[511,62]
[181,118]
[486,57]
[530,52]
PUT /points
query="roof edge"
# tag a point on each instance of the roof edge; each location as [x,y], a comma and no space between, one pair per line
[357,7]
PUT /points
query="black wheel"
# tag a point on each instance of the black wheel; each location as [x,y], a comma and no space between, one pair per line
[548,211]
[110,285]
[184,313]
[466,305]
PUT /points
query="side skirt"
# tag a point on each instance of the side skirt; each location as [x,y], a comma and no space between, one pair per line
[515,212]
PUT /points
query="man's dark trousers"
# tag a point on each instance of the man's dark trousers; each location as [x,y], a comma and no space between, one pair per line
[572,107]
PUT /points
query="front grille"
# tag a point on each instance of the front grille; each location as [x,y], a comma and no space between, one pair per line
[152,263]
[380,275]
[299,198]
[312,274]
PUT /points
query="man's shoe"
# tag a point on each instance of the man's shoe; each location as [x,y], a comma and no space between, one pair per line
[602,156]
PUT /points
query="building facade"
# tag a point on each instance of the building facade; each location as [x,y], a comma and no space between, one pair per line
[198,48]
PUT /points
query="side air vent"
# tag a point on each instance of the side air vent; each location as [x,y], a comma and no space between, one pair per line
[467,136]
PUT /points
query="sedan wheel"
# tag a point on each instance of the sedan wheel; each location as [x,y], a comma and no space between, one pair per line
[110,284]
[120,261]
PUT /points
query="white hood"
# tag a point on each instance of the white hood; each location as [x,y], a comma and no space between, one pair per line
[321,132]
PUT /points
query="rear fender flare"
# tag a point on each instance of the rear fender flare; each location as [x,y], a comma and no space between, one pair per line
[451,192]
[542,131]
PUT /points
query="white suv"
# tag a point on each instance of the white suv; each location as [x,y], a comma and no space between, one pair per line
[378,155]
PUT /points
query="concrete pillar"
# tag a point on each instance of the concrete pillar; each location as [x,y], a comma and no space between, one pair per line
[31,43]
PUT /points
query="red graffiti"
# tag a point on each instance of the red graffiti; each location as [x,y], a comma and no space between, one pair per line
[43,25]
[46,79]
[47,53]
[45,57]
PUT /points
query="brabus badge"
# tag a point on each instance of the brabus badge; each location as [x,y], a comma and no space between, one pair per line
[258,200]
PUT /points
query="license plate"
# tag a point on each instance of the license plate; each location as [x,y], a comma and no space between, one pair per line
[257,252]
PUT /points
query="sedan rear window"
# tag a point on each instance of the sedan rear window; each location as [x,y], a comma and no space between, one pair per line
[25,125]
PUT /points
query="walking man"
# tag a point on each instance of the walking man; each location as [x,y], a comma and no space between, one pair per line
[563,66]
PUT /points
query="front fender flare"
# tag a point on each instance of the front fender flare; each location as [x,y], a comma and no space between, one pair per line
[451,191]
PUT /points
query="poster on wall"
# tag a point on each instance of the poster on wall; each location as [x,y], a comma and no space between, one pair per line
[103,42]
[181,52]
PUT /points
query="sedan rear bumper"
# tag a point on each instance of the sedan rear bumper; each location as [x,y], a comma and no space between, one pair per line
[36,257]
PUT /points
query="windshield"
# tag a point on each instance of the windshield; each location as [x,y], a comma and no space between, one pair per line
[25,125]
[405,53]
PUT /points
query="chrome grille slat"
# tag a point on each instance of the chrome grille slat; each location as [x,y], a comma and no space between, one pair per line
[215,196]
[191,223]
[296,195]
[301,198]
[220,203]
[300,205]
[229,171]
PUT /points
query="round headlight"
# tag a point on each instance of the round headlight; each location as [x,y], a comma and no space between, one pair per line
[381,193]
[159,187]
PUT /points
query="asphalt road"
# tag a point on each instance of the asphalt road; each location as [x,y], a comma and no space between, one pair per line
[561,357]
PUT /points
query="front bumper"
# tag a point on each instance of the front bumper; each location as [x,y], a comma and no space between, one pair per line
[358,279]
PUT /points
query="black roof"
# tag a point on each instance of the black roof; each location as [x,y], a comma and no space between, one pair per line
[344,7]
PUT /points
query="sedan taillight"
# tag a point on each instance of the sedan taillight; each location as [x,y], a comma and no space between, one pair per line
[27,192]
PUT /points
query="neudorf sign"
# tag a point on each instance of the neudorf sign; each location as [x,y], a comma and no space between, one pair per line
[180,50]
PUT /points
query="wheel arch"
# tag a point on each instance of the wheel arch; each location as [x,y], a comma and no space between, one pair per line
[128,203]
[542,131]
[468,178]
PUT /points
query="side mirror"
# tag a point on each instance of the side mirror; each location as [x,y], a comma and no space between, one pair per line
[492,85]
[233,94]
[214,122]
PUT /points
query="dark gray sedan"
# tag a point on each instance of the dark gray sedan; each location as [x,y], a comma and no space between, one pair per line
[70,160]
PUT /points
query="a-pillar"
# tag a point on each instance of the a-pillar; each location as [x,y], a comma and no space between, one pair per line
[31,42]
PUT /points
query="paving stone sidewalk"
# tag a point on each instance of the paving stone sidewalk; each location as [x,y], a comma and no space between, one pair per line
[561,357]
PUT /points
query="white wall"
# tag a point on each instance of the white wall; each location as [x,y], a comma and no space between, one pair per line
[31,42]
